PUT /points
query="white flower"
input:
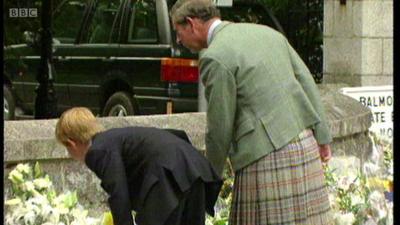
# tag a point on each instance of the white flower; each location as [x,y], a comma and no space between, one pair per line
[389,220]
[16,177]
[344,219]
[28,186]
[46,212]
[356,199]
[59,199]
[40,200]
[378,204]
[208,222]
[370,221]
[344,182]
[79,213]
[376,197]
[62,209]
[379,211]
[42,183]
[76,222]
[332,200]
[390,170]
[54,216]
[16,215]
[12,202]
[29,218]
[31,206]
[371,168]
[92,221]
[23,168]
[80,217]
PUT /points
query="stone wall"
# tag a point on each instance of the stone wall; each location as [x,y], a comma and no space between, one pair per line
[33,140]
[358,42]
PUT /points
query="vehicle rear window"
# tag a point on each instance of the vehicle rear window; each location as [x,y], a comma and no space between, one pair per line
[103,24]
[143,24]
[67,19]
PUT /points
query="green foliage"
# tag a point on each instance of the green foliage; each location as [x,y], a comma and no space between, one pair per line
[302,22]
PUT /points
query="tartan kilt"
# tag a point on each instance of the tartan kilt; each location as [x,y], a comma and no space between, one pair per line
[287,186]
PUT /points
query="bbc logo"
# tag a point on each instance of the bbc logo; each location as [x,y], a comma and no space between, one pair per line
[23,12]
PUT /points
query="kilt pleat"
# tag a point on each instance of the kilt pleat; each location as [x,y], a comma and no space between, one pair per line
[287,186]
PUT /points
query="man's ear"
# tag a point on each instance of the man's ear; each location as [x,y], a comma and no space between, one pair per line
[190,21]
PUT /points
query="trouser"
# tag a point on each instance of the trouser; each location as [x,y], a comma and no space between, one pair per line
[191,208]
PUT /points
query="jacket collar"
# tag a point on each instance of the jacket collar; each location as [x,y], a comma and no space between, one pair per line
[218,29]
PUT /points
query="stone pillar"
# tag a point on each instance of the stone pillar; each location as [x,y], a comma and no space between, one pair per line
[358,42]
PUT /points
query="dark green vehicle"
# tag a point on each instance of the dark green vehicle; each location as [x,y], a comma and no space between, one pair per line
[116,57]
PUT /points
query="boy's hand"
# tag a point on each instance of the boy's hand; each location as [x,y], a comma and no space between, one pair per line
[325,152]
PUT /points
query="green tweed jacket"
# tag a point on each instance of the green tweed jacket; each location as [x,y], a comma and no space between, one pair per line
[260,95]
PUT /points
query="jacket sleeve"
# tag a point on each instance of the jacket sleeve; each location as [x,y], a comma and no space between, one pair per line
[109,167]
[303,75]
[220,93]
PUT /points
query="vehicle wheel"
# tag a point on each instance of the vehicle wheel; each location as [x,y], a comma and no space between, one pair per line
[9,104]
[119,104]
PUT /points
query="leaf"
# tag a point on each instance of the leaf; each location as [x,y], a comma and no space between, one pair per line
[14,201]
[70,200]
[107,219]
[16,177]
[223,221]
[51,195]
[37,171]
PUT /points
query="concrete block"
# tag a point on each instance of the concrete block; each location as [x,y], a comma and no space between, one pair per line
[342,56]
[355,80]
[352,80]
[346,117]
[328,17]
[388,56]
[379,79]
[358,18]
[343,19]
[371,56]
[373,18]
[387,19]
[342,147]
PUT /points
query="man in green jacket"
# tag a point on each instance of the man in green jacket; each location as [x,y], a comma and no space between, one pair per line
[264,112]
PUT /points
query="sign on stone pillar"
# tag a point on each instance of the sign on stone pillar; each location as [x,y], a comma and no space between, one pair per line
[380,100]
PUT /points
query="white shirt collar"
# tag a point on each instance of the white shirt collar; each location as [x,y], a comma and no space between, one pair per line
[211,30]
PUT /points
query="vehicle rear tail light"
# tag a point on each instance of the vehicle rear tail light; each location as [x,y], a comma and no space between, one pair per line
[179,70]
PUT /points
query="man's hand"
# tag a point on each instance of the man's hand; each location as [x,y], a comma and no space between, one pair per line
[325,152]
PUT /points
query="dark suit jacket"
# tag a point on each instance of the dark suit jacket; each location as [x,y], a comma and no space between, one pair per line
[147,170]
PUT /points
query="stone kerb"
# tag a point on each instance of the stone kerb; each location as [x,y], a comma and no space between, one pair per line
[30,141]
[35,140]
[349,122]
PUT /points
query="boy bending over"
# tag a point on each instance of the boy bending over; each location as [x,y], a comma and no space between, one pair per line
[155,172]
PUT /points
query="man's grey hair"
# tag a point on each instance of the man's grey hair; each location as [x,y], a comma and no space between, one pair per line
[201,9]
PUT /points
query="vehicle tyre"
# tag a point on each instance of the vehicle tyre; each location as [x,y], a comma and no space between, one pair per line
[9,104]
[119,104]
